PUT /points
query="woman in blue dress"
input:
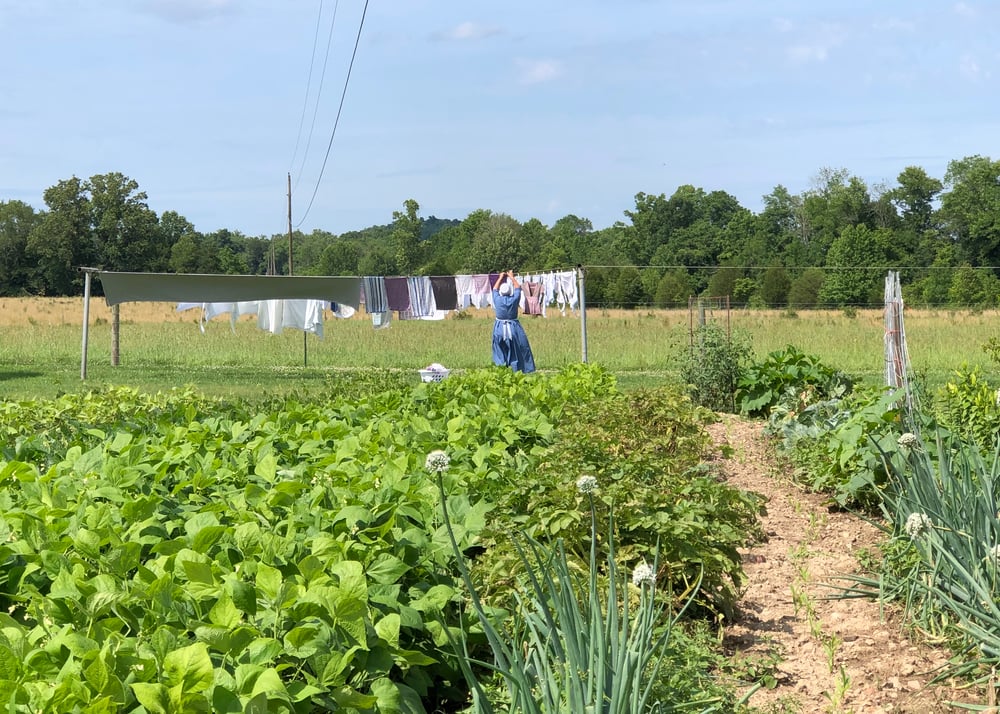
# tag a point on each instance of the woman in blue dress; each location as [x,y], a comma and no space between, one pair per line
[510,342]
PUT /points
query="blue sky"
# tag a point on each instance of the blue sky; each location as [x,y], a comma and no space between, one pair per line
[535,109]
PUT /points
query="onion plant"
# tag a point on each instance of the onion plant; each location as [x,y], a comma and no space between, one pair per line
[576,644]
[944,507]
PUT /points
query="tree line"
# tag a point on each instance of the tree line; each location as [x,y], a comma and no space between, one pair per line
[827,246]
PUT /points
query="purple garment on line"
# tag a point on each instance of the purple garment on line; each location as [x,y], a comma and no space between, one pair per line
[397,293]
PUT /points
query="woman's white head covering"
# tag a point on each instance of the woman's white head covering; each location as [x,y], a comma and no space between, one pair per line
[506,288]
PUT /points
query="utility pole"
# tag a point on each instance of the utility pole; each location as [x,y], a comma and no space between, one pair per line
[305,336]
[289,222]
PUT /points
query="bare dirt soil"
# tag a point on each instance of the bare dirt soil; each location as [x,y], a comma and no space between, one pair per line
[825,655]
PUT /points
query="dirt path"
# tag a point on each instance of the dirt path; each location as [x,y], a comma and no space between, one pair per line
[826,655]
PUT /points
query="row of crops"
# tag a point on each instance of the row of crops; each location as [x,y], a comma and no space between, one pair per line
[362,548]
[173,553]
[926,468]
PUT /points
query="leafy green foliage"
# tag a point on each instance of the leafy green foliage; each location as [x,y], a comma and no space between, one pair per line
[967,405]
[646,448]
[178,553]
[781,375]
[837,445]
[714,367]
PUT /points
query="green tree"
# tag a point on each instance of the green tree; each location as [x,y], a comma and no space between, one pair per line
[126,232]
[62,241]
[973,287]
[497,244]
[805,289]
[340,257]
[858,259]
[914,198]
[626,290]
[572,235]
[722,282]
[17,220]
[406,228]
[933,288]
[674,289]
[971,209]
[774,286]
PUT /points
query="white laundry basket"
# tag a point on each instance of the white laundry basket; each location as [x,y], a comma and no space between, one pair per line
[434,373]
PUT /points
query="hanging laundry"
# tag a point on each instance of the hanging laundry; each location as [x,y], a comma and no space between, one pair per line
[421,299]
[397,293]
[465,290]
[373,292]
[341,310]
[482,290]
[445,289]
[532,298]
[381,320]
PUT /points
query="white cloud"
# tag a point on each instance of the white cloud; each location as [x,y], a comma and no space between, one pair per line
[965,10]
[538,71]
[185,11]
[783,24]
[807,53]
[468,31]
[817,49]
[894,24]
[970,68]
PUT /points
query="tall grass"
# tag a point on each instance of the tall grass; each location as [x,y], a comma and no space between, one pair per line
[40,344]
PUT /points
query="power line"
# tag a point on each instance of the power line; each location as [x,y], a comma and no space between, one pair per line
[319,93]
[305,100]
[340,107]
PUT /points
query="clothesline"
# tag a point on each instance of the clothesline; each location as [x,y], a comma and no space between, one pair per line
[341,293]
[410,298]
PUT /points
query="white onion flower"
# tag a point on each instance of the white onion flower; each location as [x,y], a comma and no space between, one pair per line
[917,525]
[907,441]
[437,461]
[586,484]
[643,575]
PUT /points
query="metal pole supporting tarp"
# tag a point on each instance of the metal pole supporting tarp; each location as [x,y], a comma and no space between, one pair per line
[86,322]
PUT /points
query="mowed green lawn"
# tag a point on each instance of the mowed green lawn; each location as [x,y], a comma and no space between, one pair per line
[160,349]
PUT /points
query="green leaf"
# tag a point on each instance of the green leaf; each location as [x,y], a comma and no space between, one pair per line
[207,537]
[304,641]
[10,664]
[267,468]
[198,572]
[224,612]
[388,629]
[97,675]
[268,581]
[244,596]
[64,586]
[154,697]
[122,439]
[387,569]
[189,668]
[225,701]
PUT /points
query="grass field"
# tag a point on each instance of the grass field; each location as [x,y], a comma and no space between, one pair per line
[41,345]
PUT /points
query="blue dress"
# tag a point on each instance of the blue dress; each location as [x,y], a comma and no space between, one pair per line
[510,342]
